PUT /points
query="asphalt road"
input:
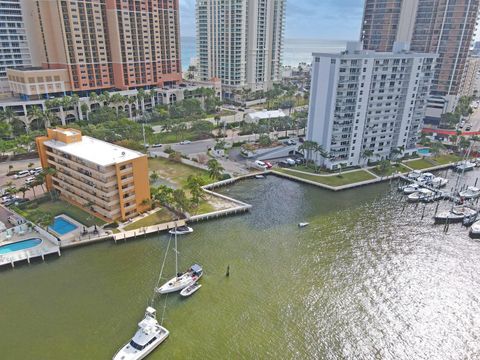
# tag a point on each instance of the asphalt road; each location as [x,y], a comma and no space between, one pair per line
[475,120]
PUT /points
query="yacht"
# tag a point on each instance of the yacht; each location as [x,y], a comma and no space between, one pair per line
[410,189]
[438,182]
[475,230]
[182,280]
[456,214]
[470,192]
[181,230]
[190,290]
[149,335]
[421,195]
[303,224]
[425,178]
[414,174]
[464,166]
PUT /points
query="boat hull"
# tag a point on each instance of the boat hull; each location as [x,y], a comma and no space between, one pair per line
[184,293]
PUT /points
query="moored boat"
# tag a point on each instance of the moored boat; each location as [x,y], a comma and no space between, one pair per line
[303,224]
[182,280]
[190,290]
[456,214]
[464,165]
[149,335]
[410,189]
[470,192]
[438,182]
[414,174]
[259,176]
[181,230]
[475,230]
[421,195]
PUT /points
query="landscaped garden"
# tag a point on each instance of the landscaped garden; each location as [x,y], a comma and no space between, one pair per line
[391,169]
[161,216]
[425,163]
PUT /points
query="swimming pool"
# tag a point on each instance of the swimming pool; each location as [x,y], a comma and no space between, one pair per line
[424,151]
[19,245]
[62,226]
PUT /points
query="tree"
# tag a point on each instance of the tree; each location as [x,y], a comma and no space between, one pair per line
[194,185]
[384,166]
[42,218]
[154,177]
[23,189]
[164,195]
[367,154]
[264,140]
[180,200]
[342,166]
[214,169]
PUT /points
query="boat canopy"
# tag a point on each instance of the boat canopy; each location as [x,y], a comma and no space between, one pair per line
[197,269]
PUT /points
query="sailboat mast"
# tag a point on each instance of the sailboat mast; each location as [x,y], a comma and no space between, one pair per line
[176,253]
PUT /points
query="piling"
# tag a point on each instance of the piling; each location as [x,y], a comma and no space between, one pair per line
[436,209]
[423,212]
[228,271]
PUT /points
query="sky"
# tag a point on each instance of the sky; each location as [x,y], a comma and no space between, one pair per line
[313,19]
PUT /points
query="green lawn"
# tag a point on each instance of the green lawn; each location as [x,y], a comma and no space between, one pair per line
[62,207]
[203,208]
[419,164]
[391,170]
[336,180]
[159,217]
[170,137]
[434,161]
[174,172]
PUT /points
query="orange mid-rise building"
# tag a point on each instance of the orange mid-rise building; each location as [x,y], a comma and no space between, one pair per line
[105,179]
[106,44]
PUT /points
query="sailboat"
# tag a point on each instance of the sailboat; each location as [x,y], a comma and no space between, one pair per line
[181,280]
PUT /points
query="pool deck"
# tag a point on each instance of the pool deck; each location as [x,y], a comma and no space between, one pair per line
[47,247]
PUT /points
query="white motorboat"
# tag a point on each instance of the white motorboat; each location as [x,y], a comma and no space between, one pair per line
[149,335]
[190,290]
[259,176]
[464,166]
[181,230]
[414,174]
[410,189]
[438,182]
[303,224]
[421,194]
[425,178]
[182,280]
[456,214]
[475,230]
[470,192]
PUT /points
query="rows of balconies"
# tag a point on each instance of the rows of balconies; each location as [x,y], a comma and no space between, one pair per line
[107,183]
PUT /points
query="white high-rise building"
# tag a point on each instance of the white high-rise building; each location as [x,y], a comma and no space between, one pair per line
[14,47]
[240,42]
[364,100]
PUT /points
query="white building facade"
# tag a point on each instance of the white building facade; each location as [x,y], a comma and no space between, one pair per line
[14,46]
[240,42]
[363,100]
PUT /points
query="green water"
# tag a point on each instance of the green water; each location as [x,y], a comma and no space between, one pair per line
[368,279]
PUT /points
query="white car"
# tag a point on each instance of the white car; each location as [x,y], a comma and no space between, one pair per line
[21,174]
[260,164]
[291,142]
[185,142]
[290,161]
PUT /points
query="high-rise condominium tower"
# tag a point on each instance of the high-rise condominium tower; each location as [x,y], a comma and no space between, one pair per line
[366,102]
[444,27]
[14,49]
[89,45]
[240,42]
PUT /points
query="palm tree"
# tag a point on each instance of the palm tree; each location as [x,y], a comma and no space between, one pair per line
[214,169]
[84,109]
[36,113]
[194,185]
[23,189]
[367,154]
[180,200]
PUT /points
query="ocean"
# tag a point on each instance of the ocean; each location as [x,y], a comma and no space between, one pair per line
[295,50]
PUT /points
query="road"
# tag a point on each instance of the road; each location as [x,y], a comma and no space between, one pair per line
[474,120]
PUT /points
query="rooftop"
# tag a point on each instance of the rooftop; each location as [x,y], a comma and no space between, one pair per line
[267,114]
[96,151]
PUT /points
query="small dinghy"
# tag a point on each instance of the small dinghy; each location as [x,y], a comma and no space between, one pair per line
[475,230]
[259,176]
[181,230]
[189,290]
[303,224]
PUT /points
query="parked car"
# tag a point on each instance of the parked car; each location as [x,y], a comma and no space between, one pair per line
[7,198]
[185,142]
[291,142]
[260,164]
[290,161]
[299,161]
[29,180]
[468,128]
[156,145]
[15,200]
[21,174]
[268,164]
[283,163]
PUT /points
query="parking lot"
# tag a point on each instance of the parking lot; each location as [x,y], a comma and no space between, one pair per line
[18,183]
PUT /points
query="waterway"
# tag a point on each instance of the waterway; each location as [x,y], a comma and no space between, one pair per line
[368,279]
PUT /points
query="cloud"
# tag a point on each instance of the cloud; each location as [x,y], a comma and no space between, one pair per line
[322,19]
